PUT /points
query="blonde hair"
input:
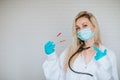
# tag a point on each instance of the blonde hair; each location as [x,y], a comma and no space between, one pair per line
[76,43]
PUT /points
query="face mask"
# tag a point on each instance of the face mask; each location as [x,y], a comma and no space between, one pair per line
[85,34]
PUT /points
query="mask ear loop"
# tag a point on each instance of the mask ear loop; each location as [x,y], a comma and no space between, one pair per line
[80,49]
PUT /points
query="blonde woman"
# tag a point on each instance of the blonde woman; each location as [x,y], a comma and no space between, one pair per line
[85,59]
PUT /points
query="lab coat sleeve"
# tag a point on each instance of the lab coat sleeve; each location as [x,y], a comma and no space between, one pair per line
[53,67]
[114,66]
[107,69]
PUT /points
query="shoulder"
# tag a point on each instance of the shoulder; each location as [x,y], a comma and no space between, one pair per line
[111,54]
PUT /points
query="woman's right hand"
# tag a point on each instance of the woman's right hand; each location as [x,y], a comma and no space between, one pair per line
[49,47]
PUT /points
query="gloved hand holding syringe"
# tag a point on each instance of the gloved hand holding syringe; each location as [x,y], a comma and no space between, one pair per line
[50,46]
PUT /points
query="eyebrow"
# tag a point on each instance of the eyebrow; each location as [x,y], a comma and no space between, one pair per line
[84,23]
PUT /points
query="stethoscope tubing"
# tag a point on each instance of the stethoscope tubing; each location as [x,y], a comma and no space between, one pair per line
[72,68]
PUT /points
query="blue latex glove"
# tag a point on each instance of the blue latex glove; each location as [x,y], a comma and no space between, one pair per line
[49,47]
[99,53]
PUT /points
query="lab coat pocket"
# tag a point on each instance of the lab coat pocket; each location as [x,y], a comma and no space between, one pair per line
[104,63]
[104,68]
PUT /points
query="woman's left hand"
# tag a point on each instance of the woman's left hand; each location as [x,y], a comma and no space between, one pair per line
[99,53]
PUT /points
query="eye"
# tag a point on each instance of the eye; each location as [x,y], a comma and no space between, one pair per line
[84,26]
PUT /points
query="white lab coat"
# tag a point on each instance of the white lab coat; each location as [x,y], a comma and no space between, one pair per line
[103,69]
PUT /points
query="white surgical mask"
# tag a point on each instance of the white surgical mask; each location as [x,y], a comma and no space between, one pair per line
[85,34]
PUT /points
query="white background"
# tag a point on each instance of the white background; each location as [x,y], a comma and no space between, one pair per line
[26,25]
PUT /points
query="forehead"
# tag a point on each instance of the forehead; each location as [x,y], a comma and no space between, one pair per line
[82,20]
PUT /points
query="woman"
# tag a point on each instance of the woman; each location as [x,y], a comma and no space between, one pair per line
[85,59]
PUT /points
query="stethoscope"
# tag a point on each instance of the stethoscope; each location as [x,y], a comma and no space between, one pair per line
[80,49]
